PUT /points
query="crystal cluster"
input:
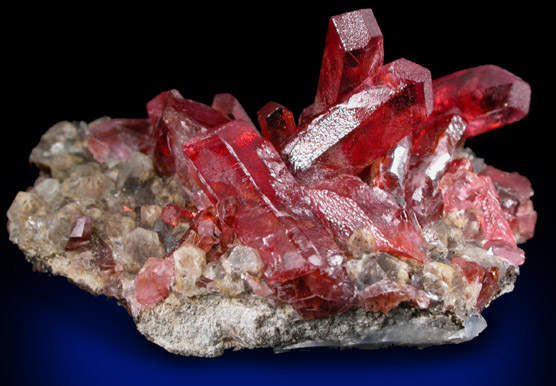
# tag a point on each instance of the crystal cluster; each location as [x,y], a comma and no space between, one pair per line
[369,205]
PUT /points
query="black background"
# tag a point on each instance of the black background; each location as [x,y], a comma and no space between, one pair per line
[80,64]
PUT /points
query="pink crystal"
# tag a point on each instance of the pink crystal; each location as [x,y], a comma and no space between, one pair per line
[353,49]
[152,284]
[432,149]
[229,105]
[464,190]
[371,119]
[119,139]
[488,97]
[515,198]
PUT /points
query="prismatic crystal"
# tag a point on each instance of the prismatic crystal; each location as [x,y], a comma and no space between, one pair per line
[365,222]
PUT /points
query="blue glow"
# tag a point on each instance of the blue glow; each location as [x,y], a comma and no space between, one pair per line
[61,335]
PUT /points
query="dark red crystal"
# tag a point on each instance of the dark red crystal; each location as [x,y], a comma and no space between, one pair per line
[277,123]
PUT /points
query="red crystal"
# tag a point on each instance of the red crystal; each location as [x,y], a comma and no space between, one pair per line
[229,105]
[488,97]
[152,284]
[353,49]
[277,123]
[173,215]
[272,215]
[489,287]
[80,235]
[371,119]
[118,139]
[180,119]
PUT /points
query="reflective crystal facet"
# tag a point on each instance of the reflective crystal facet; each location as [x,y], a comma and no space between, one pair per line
[353,49]
[371,119]
[488,97]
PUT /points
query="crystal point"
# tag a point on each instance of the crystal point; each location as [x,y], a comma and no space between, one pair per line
[353,49]
[180,119]
[229,105]
[488,97]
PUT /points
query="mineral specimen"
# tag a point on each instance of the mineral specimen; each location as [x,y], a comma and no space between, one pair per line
[367,224]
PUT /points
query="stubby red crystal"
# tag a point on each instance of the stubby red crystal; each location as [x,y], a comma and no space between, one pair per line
[276,123]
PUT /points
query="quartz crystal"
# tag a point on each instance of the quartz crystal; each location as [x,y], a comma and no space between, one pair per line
[367,224]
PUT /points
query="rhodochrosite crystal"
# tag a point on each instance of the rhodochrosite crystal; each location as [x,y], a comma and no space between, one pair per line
[368,224]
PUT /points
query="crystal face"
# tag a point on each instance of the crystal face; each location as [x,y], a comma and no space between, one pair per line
[369,222]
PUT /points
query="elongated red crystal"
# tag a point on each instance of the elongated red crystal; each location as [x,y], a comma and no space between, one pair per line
[272,214]
[119,138]
[276,123]
[229,105]
[371,119]
[353,49]
[488,97]
[180,119]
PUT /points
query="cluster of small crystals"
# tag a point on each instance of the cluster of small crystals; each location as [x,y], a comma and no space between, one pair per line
[369,201]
